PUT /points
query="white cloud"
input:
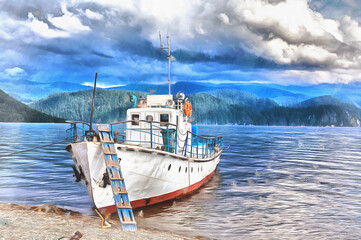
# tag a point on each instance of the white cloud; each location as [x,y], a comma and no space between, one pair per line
[9,57]
[4,35]
[93,15]
[24,30]
[297,33]
[13,73]
[68,22]
[291,18]
[102,85]
[224,18]
[66,25]
[43,29]
[351,29]
[300,77]
[12,29]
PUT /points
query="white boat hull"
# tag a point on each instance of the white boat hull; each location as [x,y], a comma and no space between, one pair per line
[151,176]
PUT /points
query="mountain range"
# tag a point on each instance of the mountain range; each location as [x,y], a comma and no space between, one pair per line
[29,91]
[220,106]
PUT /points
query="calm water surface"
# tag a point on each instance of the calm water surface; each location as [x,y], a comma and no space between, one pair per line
[272,182]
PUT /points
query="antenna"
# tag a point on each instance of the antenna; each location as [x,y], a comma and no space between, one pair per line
[168,56]
[160,40]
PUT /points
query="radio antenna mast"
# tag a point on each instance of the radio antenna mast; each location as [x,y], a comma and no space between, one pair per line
[170,58]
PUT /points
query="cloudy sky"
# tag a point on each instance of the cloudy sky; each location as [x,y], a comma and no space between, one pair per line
[289,42]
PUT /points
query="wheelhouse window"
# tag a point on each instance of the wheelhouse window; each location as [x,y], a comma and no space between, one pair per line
[135,119]
[164,119]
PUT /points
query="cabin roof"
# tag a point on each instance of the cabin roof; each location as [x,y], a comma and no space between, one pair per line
[152,109]
[158,100]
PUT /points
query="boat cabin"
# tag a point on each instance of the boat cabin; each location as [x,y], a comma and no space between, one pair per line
[156,121]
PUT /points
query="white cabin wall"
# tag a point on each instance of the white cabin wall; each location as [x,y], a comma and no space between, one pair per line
[144,126]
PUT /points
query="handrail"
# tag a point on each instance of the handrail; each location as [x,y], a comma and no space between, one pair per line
[206,136]
[75,122]
[165,137]
[73,130]
[114,123]
[209,145]
[153,135]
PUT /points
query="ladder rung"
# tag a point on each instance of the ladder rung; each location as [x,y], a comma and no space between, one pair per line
[129,223]
[120,192]
[112,164]
[117,178]
[104,128]
[109,150]
[119,205]
[110,153]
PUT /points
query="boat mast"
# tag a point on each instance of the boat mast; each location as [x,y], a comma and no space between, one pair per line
[168,56]
[91,115]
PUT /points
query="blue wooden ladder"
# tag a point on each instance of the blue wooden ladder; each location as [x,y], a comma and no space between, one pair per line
[120,193]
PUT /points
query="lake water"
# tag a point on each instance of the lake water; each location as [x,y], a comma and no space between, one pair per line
[272,182]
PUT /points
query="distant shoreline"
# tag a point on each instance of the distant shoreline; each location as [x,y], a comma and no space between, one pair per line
[210,125]
[51,222]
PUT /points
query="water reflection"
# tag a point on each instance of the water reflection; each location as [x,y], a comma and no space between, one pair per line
[286,183]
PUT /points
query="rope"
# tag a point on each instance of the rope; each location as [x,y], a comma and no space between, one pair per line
[26,150]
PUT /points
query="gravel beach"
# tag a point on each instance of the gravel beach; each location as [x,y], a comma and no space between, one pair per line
[50,222]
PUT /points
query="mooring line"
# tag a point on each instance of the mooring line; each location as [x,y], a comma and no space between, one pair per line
[26,150]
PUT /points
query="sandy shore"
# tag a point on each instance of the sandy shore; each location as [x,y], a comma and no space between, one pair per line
[50,222]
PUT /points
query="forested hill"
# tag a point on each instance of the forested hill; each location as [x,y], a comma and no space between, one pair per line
[222,106]
[322,115]
[245,98]
[208,109]
[12,110]
[109,106]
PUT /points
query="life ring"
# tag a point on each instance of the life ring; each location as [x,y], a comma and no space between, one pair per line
[142,104]
[188,109]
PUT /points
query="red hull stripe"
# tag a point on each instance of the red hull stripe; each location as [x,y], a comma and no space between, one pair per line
[161,198]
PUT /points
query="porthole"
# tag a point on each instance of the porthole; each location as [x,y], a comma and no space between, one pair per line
[170,165]
[180,168]
[149,118]
[186,170]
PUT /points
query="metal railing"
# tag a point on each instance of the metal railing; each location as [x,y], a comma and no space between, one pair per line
[77,130]
[201,147]
[155,135]
[147,133]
